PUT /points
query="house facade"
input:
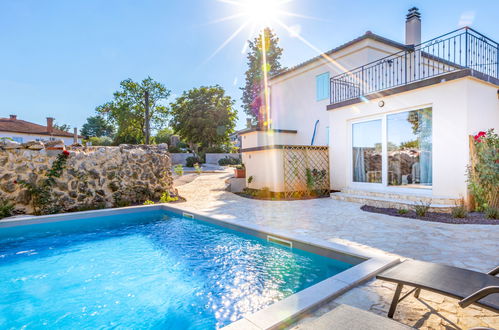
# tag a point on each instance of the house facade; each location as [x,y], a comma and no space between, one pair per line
[23,131]
[396,117]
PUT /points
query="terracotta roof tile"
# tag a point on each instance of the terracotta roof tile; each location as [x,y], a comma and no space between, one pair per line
[22,126]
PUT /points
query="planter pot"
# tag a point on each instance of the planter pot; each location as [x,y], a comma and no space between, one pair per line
[239,173]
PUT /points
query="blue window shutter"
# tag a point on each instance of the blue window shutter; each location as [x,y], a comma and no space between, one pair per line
[322,86]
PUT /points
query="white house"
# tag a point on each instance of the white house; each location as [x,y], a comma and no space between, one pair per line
[23,131]
[396,117]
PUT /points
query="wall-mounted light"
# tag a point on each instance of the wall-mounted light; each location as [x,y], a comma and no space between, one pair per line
[381,104]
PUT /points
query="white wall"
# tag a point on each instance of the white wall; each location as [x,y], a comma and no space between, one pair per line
[293,103]
[34,137]
[460,107]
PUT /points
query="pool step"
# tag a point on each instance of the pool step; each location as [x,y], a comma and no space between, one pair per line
[398,201]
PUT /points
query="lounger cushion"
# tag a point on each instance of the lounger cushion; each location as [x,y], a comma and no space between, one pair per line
[346,317]
[446,280]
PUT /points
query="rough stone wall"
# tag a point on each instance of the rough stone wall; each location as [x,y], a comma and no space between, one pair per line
[92,177]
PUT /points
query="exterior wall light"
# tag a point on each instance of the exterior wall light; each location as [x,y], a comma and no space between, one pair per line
[381,104]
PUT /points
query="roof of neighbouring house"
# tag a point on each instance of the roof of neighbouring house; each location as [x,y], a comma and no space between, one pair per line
[22,126]
[367,35]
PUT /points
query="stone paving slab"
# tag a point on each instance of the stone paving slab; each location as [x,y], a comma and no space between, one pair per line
[469,246]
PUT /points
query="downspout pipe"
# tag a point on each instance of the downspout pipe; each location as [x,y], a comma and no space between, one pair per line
[315,131]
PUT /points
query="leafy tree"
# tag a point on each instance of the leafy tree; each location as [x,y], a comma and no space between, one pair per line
[253,90]
[163,135]
[204,116]
[128,109]
[62,127]
[97,126]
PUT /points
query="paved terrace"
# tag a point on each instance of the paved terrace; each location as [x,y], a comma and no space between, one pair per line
[469,246]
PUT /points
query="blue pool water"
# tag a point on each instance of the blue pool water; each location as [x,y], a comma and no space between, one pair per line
[147,270]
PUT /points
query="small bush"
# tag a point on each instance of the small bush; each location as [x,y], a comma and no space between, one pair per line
[197,168]
[422,208]
[402,211]
[240,167]
[459,212]
[178,169]
[100,141]
[229,161]
[148,202]
[6,208]
[166,198]
[190,161]
[492,213]
[250,179]
[175,150]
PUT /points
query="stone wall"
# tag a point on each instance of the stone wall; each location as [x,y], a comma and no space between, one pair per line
[214,158]
[92,177]
[179,158]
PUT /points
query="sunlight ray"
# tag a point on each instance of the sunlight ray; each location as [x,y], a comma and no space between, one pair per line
[229,39]
[332,63]
[226,18]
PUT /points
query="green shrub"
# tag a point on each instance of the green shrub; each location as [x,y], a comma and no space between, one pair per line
[422,208]
[250,179]
[100,141]
[483,173]
[402,211]
[459,212]
[178,169]
[226,161]
[166,198]
[197,168]
[190,161]
[148,202]
[6,208]
[492,213]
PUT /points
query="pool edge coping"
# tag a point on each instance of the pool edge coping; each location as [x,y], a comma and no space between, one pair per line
[280,313]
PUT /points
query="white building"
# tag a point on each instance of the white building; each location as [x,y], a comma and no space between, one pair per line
[396,117]
[23,131]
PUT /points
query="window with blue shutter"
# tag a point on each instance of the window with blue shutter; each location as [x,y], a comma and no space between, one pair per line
[322,86]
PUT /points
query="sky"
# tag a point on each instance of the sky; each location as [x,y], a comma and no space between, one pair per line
[63,58]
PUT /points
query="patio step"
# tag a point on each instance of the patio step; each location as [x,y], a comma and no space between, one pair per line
[414,197]
[398,203]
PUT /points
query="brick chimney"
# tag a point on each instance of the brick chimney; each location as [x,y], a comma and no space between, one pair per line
[413,27]
[50,125]
[13,117]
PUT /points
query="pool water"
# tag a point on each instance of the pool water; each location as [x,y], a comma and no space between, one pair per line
[144,270]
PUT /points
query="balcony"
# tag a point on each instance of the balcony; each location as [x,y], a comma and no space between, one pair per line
[459,50]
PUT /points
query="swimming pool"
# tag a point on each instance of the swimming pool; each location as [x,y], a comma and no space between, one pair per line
[150,268]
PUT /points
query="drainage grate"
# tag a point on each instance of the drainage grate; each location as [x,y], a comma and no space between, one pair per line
[280,241]
[187,215]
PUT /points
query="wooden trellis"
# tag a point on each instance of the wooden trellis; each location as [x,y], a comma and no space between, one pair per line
[306,171]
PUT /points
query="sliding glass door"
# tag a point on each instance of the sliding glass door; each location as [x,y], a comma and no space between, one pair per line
[366,151]
[400,158]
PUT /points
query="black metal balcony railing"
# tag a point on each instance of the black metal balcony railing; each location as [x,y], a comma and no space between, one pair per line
[464,48]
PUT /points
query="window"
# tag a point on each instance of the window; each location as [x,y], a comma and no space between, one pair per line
[322,86]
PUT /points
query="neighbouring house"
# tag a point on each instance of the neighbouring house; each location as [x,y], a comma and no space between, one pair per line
[393,119]
[23,131]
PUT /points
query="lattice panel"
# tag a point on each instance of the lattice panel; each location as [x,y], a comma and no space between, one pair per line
[306,171]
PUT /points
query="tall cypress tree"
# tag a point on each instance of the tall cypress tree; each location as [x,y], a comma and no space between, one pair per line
[253,91]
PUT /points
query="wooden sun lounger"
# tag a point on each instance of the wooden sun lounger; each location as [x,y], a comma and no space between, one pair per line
[346,317]
[468,286]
